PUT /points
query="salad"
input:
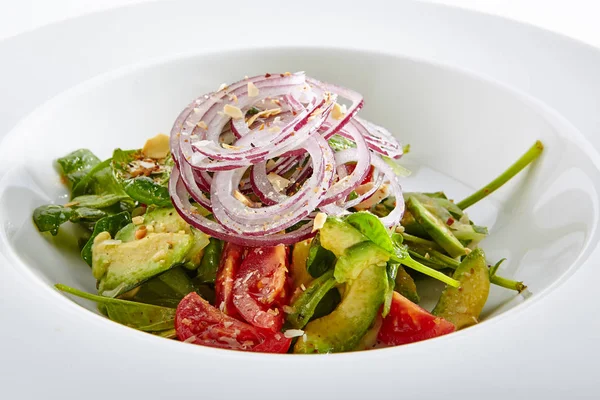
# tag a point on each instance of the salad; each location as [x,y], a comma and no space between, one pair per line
[272,219]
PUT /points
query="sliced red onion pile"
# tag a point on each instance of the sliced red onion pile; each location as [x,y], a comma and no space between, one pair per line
[256,155]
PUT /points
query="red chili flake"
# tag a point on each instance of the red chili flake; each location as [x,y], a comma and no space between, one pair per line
[450,221]
[267,75]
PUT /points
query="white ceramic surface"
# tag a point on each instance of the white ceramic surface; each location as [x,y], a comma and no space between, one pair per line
[465,118]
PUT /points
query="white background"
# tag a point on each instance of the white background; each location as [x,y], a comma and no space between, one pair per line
[575,18]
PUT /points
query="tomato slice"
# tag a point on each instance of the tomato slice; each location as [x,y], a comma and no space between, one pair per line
[368,177]
[231,258]
[196,321]
[407,323]
[260,286]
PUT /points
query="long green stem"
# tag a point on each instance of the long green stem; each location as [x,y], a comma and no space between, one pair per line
[420,241]
[531,154]
[417,266]
[508,283]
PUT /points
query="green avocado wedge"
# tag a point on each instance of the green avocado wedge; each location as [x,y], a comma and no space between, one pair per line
[462,305]
[343,329]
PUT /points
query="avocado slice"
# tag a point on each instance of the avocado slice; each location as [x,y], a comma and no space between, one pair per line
[358,257]
[121,266]
[462,306]
[336,236]
[166,220]
[156,221]
[435,227]
[343,329]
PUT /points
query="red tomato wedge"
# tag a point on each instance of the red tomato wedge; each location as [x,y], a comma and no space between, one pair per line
[368,178]
[231,258]
[196,321]
[260,286]
[407,323]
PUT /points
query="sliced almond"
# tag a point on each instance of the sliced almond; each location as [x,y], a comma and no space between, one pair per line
[319,221]
[338,112]
[279,182]
[157,147]
[233,111]
[252,90]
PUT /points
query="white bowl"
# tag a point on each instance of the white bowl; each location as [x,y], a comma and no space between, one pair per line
[464,125]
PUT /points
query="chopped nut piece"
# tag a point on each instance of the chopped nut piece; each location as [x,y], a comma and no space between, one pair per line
[244,200]
[252,90]
[233,111]
[319,221]
[265,114]
[141,232]
[279,182]
[222,87]
[137,220]
[101,237]
[292,333]
[157,147]
[337,113]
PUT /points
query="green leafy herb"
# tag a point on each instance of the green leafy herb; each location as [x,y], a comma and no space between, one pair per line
[339,143]
[144,317]
[397,168]
[100,181]
[320,260]
[50,217]
[252,111]
[306,303]
[98,201]
[75,165]
[370,226]
[207,271]
[166,289]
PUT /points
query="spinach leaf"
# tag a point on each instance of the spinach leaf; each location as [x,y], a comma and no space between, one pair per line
[87,214]
[167,289]
[143,179]
[320,260]
[207,271]
[100,181]
[305,305]
[75,165]
[97,201]
[339,143]
[111,224]
[48,218]
[84,209]
[144,317]
[370,226]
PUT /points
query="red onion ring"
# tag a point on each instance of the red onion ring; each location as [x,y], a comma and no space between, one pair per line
[295,138]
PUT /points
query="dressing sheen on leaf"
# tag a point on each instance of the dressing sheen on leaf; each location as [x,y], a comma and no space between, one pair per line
[144,317]
[370,226]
